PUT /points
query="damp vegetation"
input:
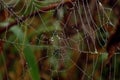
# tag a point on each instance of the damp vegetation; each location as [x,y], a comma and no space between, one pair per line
[59,39]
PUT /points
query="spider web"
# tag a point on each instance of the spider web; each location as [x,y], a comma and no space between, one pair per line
[61,45]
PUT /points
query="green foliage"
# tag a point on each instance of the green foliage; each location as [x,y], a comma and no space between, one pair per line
[28,52]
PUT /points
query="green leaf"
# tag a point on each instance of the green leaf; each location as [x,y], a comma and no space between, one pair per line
[28,52]
[32,63]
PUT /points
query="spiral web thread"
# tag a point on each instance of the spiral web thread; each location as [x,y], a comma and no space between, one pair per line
[61,51]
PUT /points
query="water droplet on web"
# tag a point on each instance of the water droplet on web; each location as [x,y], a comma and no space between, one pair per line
[22,16]
[96,51]
[77,30]
[58,37]
[52,39]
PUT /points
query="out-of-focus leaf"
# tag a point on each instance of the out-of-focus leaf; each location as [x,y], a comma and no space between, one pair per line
[28,53]
[1,76]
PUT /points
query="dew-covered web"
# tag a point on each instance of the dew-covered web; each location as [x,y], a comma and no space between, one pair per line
[66,40]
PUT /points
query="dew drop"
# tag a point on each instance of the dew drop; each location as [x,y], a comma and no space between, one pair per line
[52,39]
[58,37]
[96,51]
